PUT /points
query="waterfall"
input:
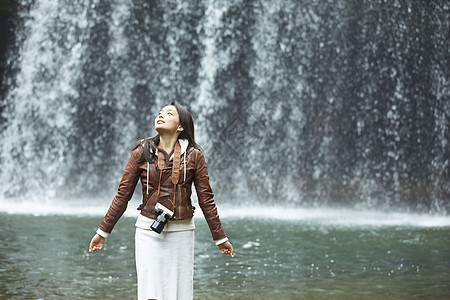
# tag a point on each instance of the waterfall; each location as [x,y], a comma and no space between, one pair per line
[210,62]
[296,103]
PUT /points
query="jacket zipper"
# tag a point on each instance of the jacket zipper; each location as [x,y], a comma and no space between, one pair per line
[179,201]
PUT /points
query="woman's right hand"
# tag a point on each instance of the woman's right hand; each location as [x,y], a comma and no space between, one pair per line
[97,243]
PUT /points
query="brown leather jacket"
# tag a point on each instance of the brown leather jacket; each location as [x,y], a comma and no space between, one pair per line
[196,172]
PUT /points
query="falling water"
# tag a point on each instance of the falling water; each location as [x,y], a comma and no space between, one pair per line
[298,103]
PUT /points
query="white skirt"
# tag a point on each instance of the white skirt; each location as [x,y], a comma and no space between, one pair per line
[165,264]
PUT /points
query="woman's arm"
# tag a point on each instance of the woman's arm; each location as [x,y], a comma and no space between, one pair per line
[120,202]
[208,206]
[206,197]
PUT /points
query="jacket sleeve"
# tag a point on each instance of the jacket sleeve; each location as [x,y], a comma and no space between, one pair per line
[124,194]
[206,198]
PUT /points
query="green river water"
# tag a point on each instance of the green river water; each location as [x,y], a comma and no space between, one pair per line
[46,257]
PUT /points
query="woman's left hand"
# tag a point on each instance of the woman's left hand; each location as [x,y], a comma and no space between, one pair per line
[226,248]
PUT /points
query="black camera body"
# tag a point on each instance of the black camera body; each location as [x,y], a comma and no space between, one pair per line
[164,214]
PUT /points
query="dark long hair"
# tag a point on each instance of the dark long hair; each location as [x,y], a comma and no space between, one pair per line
[149,144]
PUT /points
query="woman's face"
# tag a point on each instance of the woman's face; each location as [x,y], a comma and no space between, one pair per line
[168,120]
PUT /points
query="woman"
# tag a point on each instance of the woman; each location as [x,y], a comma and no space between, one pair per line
[167,164]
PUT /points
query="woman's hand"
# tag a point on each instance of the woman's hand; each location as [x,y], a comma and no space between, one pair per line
[97,243]
[226,248]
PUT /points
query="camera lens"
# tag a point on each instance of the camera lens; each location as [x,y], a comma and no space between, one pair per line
[158,225]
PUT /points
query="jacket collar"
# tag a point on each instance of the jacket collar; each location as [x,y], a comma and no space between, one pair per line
[184,143]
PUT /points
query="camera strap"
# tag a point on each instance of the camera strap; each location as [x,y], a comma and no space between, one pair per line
[176,163]
[175,170]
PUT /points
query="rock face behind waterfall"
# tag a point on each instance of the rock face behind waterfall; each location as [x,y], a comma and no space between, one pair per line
[295,102]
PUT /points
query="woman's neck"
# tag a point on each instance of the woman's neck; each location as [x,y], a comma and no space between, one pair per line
[167,143]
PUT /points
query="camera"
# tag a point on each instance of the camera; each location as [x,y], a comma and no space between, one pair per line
[164,214]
